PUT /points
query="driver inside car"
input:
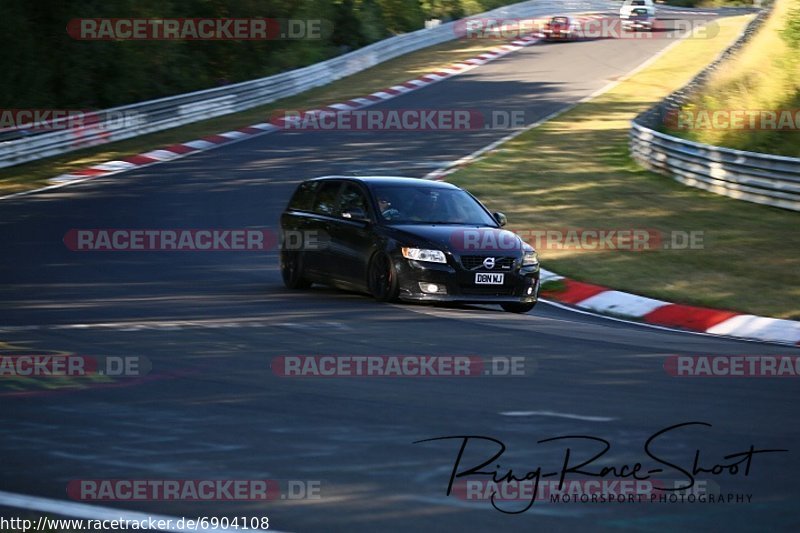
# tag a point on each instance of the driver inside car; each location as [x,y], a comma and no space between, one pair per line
[386,209]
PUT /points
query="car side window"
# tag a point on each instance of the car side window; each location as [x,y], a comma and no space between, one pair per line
[303,196]
[325,202]
[353,202]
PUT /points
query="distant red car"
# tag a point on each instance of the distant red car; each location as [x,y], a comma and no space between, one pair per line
[559,29]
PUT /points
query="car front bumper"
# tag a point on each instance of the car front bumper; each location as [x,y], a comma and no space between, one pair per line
[561,34]
[520,284]
[637,24]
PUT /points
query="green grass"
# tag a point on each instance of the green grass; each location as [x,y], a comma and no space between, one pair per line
[553,285]
[765,75]
[575,171]
[35,174]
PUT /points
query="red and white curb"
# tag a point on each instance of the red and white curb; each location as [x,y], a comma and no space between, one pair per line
[605,301]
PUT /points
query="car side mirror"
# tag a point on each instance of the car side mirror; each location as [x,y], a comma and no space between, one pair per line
[500,218]
[355,213]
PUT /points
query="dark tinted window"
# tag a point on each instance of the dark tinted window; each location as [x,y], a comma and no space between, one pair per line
[325,202]
[400,204]
[303,196]
[352,198]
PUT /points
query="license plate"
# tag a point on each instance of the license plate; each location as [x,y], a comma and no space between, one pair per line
[489,279]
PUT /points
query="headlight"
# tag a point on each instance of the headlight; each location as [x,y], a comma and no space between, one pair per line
[419,254]
[531,258]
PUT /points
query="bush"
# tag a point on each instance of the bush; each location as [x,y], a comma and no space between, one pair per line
[791,33]
[43,67]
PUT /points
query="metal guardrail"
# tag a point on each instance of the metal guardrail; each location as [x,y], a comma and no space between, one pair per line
[760,178]
[754,177]
[142,118]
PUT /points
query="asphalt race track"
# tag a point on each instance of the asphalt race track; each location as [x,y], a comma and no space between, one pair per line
[210,323]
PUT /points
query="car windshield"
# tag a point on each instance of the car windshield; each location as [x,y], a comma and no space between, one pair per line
[430,205]
[560,20]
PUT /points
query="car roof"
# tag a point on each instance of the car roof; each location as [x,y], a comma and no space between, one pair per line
[369,181]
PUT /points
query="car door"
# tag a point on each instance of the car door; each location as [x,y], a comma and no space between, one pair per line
[352,235]
[317,242]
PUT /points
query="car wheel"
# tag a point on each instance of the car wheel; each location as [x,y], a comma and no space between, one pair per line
[382,278]
[517,307]
[292,270]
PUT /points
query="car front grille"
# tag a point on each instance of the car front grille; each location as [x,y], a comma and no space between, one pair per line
[475,262]
[487,291]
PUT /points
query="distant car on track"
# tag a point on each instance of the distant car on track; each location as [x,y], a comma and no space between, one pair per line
[559,29]
[638,19]
[408,239]
[628,6]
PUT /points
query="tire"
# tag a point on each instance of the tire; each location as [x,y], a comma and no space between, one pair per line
[517,307]
[382,278]
[292,271]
